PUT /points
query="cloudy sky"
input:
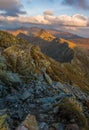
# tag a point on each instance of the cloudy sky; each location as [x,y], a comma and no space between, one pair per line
[67,15]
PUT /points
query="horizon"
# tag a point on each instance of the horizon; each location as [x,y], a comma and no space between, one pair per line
[65,15]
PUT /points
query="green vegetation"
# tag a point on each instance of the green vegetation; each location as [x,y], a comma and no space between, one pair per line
[7,40]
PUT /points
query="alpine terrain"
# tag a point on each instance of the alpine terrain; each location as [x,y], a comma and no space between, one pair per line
[44,83]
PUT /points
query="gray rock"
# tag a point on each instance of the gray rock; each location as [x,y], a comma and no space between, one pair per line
[53,99]
[22,128]
[43,126]
[26,95]
[11,99]
[3,111]
[48,79]
[59,126]
[2,104]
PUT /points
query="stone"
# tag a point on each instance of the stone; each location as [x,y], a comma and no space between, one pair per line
[3,111]
[42,117]
[30,123]
[72,127]
[11,99]
[22,128]
[58,126]
[25,95]
[43,126]
[48,79]
[2,104]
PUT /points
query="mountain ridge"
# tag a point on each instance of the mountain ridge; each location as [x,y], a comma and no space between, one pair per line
[57,33]
[31,83]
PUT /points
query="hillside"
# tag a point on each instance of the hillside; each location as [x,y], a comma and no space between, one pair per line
[84,42]
[16,32]
[63,34]
[7,40]
[52,46]
[27,31]
[35,31]
[51,34]
[37,91]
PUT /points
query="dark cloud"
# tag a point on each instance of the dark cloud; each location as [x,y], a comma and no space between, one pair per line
[11,7]
[81,4]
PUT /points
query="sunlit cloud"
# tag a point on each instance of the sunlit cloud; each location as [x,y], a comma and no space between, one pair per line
[76,20]
[48,12]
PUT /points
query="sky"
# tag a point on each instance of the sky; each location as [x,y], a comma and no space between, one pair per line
[65,15]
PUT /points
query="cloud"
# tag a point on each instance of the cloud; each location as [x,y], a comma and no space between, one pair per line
[76,20]
[81,4]
[48,12]
[11,7]
[78,24]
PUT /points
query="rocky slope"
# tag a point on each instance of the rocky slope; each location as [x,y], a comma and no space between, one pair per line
[57,48]
[39,93]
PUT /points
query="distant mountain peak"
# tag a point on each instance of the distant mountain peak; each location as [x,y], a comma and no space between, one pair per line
[45,35]
[16,32]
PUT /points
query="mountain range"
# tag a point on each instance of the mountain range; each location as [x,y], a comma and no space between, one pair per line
[44,82]
[34,32]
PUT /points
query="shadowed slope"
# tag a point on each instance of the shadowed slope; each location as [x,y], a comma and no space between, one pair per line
[59,49]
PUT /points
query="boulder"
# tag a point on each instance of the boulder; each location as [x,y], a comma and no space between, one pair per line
[26,95]
[43,126]
[22,128]
[30,123]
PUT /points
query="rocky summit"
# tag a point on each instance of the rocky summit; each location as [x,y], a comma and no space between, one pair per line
[40,93]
